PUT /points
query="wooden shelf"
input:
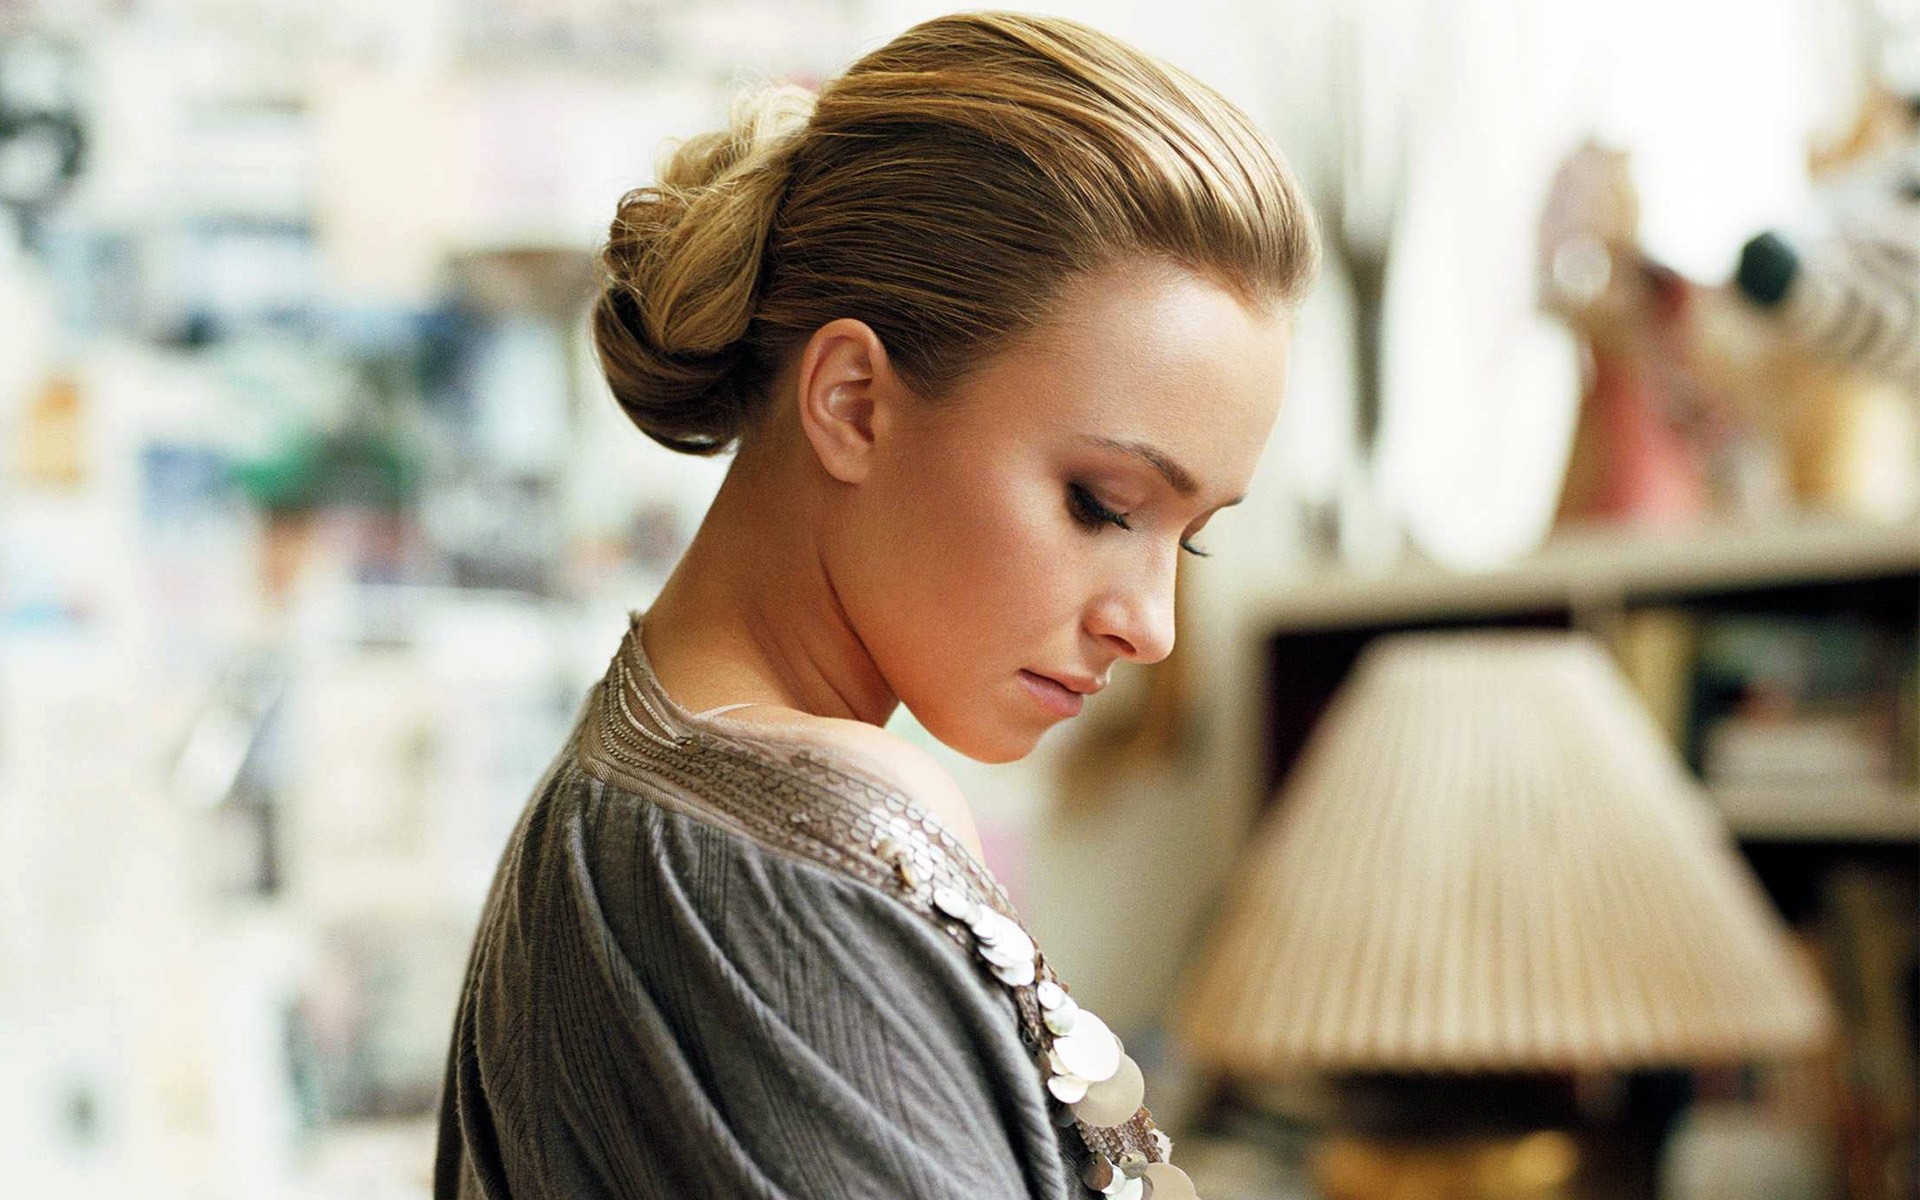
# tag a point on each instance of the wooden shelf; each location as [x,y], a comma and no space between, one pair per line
[1814,815]
[1591,578]
[1600,568]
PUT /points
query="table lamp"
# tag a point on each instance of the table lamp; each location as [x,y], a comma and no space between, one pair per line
[1489,863]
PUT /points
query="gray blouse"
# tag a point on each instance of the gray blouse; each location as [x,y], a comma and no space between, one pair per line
[720,961]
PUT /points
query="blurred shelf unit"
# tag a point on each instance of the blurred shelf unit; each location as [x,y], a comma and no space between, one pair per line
[1589,573]
[1811,815]
[1311,631]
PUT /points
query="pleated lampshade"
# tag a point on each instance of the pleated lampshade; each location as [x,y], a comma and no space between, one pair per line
[1490,858]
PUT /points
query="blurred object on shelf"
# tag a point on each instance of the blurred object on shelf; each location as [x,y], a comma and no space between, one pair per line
[43,134]
[1746,398]
[367,731]
[371,1160]
[1841,296]
[363,1031]
[286,542]
[256,274]
[1841,300]
[1885,112]
[499,533]
[1634,460]
[1589,233]
[1631,462]
[1461,118]
[1732,1152]
[1657,648]
[1801,701]
[1370,123]
[1801,722]
[359,465]
[521,387]
[30,332]
[654,36]
[312,426]
[1870,954]
[1525,884]
[554,284]
[50,447]
[227,775]
[1850,293]
[1848,750]
[1849,300]
[1850,441]
[1256,1152]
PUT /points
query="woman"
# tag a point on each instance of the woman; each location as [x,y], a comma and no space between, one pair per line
[994,324]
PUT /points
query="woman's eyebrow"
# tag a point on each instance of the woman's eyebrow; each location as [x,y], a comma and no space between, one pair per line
[1177,475]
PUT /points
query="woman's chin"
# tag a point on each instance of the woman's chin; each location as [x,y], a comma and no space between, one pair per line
[986,742]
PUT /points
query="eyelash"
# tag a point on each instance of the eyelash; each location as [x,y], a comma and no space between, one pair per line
[1093,514]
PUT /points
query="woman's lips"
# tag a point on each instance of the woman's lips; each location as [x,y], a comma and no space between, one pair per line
[1054,697]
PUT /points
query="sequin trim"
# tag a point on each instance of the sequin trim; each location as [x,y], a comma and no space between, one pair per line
[799,802]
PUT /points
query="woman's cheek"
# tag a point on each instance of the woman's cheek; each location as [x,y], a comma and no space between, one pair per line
[992,518]
[1044,559]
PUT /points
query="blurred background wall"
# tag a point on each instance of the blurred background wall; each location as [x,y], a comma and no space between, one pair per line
[316,520]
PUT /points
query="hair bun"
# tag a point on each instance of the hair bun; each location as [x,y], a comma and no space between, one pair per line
[682,268]
[944,191]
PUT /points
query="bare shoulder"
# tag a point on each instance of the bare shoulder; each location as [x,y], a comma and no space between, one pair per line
[915,772]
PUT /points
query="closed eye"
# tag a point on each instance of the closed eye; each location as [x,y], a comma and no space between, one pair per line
[1094,515]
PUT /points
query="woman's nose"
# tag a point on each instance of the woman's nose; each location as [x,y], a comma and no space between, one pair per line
[1136,617]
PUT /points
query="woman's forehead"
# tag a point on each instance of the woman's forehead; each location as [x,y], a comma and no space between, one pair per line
[1176,365]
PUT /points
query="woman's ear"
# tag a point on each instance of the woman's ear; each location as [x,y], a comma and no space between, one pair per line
[845,393]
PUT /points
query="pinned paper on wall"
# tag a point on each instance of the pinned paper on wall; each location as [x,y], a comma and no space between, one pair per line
[364,738]
[413,171]
[386,193]
[545,160]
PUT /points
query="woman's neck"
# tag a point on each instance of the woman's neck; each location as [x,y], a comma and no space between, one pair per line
[750,614]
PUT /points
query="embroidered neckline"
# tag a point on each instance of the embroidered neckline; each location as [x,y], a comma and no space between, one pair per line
[803,798]
[776,744]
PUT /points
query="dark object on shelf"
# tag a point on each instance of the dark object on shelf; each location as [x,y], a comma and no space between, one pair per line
[1870,955]
[1767,267]
[43,140]
[1853,299]
[1789,699]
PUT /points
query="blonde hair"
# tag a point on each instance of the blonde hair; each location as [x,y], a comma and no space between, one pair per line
[943,190]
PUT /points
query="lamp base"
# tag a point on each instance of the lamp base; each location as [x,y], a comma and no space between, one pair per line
[1497,1136]
[1393,1105]
[1543,1165]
